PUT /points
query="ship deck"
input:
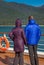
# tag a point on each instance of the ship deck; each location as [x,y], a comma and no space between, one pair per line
[8,57]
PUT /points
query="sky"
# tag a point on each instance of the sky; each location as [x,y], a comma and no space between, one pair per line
[28,2]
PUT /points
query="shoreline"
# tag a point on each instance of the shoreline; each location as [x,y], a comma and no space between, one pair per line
[14,25]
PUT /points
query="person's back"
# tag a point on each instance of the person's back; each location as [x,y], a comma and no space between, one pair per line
[18,39]
[32,32]
[18,36]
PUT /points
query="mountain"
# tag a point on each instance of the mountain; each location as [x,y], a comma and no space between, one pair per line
[9,12]
[42,6]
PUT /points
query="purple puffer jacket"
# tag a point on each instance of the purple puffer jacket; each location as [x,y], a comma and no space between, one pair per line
[18,36]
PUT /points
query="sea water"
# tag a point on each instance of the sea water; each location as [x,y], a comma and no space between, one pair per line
[9,28]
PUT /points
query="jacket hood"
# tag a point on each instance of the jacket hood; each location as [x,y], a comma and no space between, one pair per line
[32,21]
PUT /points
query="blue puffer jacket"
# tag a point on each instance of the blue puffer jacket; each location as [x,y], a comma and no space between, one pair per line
[32,32]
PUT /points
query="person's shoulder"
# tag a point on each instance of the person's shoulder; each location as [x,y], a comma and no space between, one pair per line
[27,26]
[36,24]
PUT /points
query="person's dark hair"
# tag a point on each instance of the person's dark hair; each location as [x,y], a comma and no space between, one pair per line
[18,22]
[30,17]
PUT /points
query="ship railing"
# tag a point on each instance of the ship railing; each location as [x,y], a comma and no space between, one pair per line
[40,52]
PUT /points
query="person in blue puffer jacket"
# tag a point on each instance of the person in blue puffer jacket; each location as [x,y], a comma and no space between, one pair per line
[33,34]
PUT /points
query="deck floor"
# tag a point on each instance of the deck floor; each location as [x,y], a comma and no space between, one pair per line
[8,57]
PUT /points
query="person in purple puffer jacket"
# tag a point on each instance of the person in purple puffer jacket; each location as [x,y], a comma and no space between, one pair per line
[18,36]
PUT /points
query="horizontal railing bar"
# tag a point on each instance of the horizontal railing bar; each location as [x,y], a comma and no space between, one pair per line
[40,49]
[41,40]
[4,32]
[12,41]
[25,47]
[8,32]
[40,44]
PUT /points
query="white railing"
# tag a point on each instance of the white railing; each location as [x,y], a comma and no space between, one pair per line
[40,53]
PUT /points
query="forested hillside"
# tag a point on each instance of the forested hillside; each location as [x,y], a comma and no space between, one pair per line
[9,12]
